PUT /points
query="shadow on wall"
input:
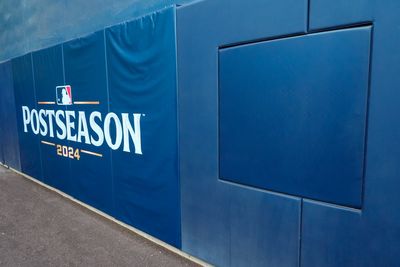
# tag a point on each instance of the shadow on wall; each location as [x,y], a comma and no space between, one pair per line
[35,24]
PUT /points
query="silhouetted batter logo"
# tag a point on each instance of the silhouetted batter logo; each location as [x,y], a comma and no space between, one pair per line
[64,95]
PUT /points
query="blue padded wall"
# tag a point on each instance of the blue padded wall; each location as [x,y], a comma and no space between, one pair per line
[48,73]
[9,151]
[97,120]
[328,14]
[141,63]
[223,223]
[322,192]
[25,95]
[4,109]
[3,80]
[85,72]
[276,104]
[334,236]
[1,141]
[224,220]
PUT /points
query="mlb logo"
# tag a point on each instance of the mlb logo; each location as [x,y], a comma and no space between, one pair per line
[64,95]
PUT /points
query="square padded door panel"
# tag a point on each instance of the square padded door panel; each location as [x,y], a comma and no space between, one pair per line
[292,114]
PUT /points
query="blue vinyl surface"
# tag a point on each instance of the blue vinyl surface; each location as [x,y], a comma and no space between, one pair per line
[24,91]
[9,151]
[141,63]
[226,224]
[329,14]
[290,125]
[85,72]
[48,73]
[97,119]
[4,109]
[334,236]
[173,81]
[329,235]
[2,160]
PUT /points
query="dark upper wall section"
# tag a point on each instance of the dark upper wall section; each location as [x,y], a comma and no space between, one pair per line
[29,25]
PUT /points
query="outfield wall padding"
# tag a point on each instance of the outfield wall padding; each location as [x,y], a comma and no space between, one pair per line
[97,119]
[260,133]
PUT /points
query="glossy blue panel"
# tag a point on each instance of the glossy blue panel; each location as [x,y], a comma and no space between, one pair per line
[9,153]
[327,13]
[290,125]
[48,74]
[221,222]
[24,91]
[85,72]
[141,63]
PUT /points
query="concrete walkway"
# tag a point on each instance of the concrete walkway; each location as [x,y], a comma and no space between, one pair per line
[41,228]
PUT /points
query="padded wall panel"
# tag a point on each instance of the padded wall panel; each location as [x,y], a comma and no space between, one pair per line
[3,110]
[1,137]
[142,79]
[9,136]
[336,237]
[84,98]
[24,91]
[327,14]
[259,223]
[2,161]
[292,114]
[85,72]
[211,230]
[48,74]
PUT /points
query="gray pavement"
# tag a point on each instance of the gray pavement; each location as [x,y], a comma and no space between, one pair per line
[38,227]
